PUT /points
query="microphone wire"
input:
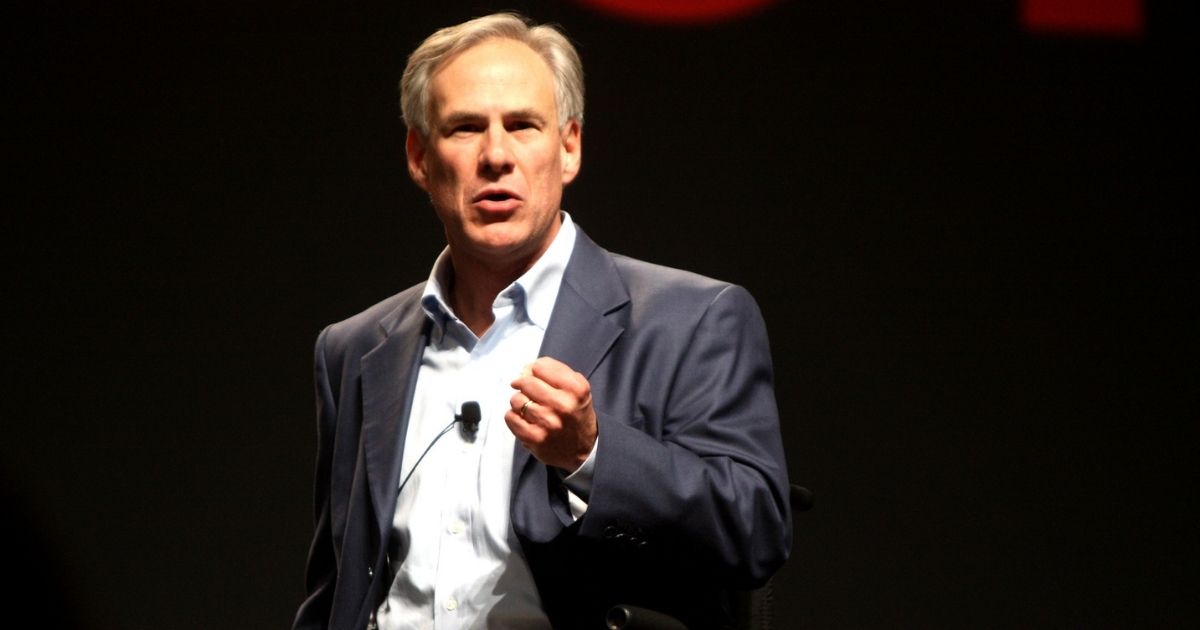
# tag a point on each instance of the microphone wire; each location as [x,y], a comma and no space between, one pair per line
[427,448]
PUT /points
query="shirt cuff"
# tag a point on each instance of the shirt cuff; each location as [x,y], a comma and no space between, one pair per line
[579,483]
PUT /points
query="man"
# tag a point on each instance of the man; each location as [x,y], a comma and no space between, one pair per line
[627,449]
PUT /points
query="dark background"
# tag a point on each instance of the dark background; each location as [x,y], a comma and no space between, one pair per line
[970,242]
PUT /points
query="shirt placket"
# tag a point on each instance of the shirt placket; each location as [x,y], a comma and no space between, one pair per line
[459,518]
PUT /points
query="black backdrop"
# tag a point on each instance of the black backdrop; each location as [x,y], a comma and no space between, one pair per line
[971,245]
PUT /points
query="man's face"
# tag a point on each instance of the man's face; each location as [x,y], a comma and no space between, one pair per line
[495,161]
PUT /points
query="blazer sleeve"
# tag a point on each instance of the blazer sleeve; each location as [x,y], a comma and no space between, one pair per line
[702,472]
[321,569]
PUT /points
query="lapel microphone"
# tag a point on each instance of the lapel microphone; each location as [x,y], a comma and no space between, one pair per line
[469,418]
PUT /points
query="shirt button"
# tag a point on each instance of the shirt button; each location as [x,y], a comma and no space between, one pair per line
[456,527]
[451,604]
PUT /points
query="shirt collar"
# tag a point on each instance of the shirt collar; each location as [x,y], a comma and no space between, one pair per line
[535,291]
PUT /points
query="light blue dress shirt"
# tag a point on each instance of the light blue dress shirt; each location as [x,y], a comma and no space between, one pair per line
[456,560]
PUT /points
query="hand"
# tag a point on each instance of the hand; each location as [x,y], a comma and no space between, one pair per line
[552,414]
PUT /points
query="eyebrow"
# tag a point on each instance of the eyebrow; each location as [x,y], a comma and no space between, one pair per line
[458,117]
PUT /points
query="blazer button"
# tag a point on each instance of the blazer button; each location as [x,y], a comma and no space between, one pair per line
[370,573]
[611,531]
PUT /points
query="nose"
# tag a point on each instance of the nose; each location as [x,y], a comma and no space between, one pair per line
[495,154]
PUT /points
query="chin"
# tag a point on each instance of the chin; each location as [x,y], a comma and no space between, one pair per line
[497,241]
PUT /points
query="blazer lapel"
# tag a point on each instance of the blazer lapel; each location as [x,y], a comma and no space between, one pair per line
[581,328]
[581,331]
[389,377]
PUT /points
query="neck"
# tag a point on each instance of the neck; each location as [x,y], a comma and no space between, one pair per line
[475,286]
[477,280]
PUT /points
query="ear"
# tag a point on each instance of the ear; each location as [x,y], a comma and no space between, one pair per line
[414,147]
[572,150]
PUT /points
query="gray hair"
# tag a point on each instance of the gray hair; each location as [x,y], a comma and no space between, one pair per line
[437,49]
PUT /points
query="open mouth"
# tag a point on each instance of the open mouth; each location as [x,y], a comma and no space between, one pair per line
[497,200]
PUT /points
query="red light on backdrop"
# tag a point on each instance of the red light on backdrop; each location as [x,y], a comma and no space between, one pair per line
[678,11]
[1119,18]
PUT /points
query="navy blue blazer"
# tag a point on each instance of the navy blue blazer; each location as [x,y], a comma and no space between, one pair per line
[689,497]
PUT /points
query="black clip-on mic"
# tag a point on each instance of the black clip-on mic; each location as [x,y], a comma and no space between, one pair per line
[469,418]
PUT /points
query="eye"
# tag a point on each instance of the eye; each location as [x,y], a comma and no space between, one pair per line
[522,125]
[465,129]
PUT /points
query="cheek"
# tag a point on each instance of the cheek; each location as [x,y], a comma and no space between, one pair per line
[441,172]
[451,167]
[548,168]
[446,182]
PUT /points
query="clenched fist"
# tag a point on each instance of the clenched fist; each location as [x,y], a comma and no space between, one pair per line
[552,414]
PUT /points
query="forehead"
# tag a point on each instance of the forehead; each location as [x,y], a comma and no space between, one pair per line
[493,73]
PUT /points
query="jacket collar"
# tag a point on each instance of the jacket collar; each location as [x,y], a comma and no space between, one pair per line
[389,377]
[583,327]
